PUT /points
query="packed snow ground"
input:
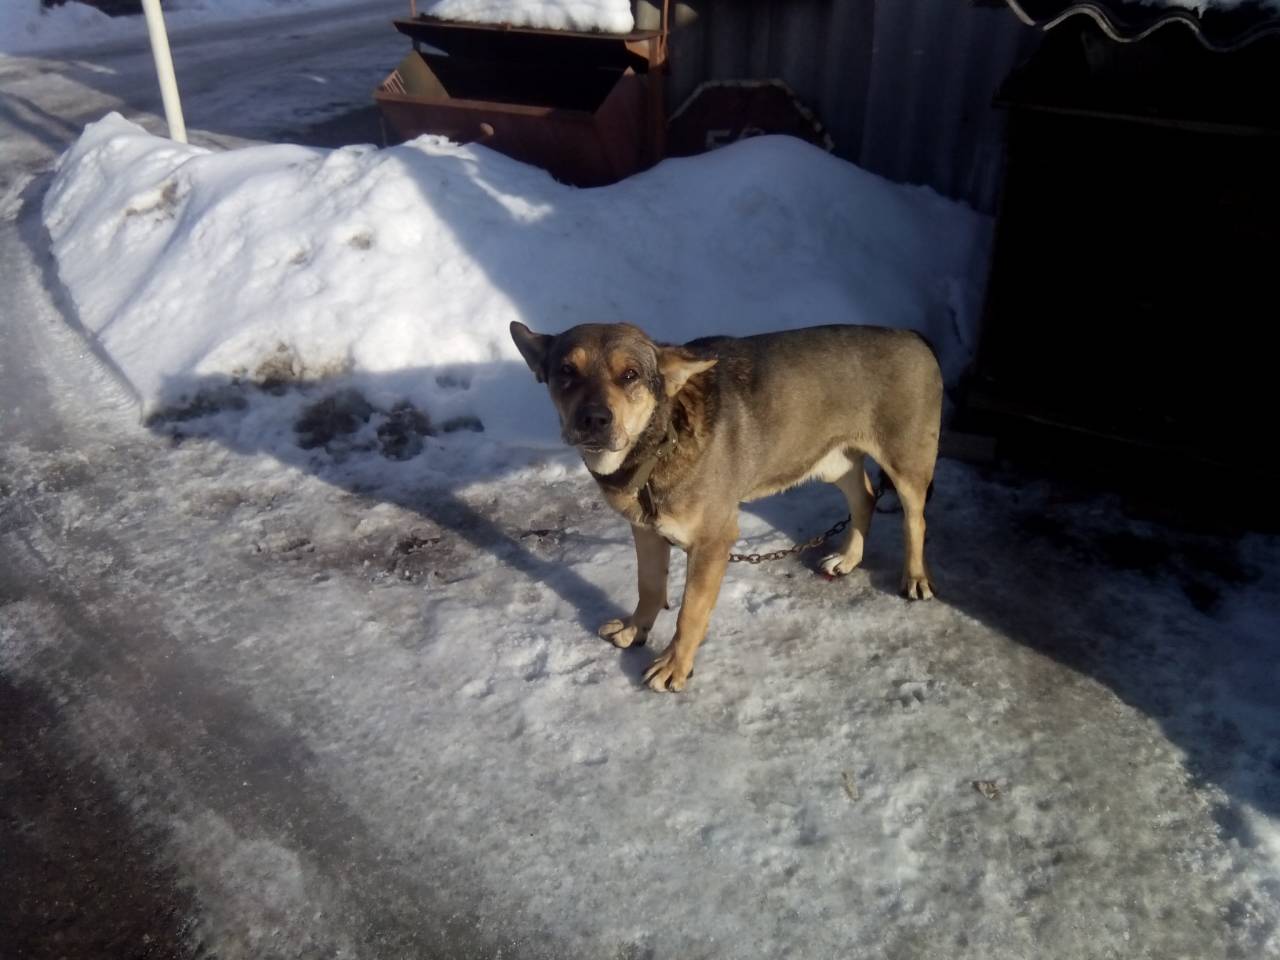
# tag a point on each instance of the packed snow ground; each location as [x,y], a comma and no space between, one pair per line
[26,26]
[289,77]
[351,704]
[360,708]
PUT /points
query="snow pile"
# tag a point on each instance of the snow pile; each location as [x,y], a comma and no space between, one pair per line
[396,272]
[26,25]
[607,16]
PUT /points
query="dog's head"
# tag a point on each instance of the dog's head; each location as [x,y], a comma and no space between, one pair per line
[606,381]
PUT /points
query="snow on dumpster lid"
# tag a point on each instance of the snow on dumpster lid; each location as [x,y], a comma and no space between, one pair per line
[1218,24]
[605,16]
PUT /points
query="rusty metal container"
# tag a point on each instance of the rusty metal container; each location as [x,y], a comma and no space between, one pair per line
[586,107]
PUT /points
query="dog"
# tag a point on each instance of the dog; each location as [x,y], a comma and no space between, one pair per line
[677,436]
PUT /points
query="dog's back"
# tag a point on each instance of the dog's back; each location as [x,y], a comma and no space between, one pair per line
[787,400]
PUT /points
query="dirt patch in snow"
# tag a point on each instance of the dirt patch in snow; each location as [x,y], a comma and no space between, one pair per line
[341,420]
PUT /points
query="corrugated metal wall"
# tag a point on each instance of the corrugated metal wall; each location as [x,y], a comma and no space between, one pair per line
[903,86]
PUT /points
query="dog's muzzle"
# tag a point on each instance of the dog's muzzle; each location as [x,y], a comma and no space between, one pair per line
[592,428]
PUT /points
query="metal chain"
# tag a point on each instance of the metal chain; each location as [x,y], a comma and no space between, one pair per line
[818,541]
[791,551]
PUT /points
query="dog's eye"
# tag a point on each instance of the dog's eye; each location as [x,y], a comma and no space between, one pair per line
[569,370]
[630,374]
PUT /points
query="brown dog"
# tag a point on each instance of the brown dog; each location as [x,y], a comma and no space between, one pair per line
[678,436]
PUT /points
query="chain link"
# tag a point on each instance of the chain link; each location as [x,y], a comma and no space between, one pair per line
[790,551]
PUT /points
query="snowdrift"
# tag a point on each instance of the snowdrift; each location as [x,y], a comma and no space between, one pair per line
[396,272]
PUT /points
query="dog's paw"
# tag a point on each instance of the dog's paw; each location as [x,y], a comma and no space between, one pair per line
[916,588]
[837,565]
[623,633]
[668,672]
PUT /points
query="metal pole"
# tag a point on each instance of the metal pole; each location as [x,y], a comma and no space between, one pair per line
[164,70]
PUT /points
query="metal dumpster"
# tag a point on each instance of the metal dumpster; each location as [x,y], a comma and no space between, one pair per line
[1132,282]
[587,107]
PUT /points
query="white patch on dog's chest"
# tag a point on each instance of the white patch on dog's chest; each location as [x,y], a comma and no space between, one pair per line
[632,509]
[673,532]
[676,533]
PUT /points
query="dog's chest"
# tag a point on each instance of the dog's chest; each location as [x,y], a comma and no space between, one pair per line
[667,526]
[672,531]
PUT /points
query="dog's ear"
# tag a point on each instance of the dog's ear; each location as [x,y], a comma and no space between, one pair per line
[678,364]
[533,347]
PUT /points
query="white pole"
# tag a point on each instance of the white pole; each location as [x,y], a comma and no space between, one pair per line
[164,70]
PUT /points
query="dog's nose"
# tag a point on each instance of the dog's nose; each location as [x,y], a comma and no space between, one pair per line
[594,418]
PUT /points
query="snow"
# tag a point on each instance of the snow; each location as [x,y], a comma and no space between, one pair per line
[388,743]
[397,272]
[26,26]
[607,16]
[354,706]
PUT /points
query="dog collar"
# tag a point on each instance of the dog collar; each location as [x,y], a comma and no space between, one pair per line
[638,485]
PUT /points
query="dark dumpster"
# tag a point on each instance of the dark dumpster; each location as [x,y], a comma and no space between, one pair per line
[1132,304]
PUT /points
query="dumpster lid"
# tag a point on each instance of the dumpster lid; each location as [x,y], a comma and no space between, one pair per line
[1218,26]
[639,49]
[1168,79]
[424,22]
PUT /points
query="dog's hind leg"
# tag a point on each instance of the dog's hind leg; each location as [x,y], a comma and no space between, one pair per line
[856,488]
[912,493]
[653,558]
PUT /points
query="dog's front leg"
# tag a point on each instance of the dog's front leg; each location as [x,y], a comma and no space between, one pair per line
[708,560]
[653,557]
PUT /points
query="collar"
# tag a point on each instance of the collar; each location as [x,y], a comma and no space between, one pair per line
[637,485]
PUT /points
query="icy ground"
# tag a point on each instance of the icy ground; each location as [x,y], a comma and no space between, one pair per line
[359,707]
[258,700]
[297,78]
[27,26]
